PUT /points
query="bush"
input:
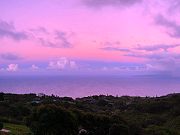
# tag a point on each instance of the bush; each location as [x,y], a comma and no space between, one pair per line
[54,120]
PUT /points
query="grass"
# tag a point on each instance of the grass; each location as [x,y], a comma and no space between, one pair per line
[17,129]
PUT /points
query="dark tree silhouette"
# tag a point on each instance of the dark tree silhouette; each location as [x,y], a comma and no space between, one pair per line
[53,120]
[1,96]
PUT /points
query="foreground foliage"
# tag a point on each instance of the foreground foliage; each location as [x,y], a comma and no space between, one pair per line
[95,115]
[17,129]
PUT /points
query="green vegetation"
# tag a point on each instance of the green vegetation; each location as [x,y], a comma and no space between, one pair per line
[95,115]
[53,120]
[17,129]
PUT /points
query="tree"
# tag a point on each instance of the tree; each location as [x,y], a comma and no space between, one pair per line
[53,120]
[1,96]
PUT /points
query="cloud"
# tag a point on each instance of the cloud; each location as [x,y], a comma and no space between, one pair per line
[8,30]
[39,30]
[159,62]
[165,47]
[73,64]
[148,48]
[59,40]
[9,56]
[103,3]
[158,51]
[113,46]
[124,68]
[52,39]
[34,67]
[62,63]
[12,67]
[155,55]
[174,5]
[62,36]
[166,66]
[172,25]
[115,49]
[145,55]
[154,52]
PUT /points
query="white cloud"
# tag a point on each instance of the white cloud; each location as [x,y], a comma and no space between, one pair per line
[151,67]
[62,63]
[34,67]
[73,64]
[12,67]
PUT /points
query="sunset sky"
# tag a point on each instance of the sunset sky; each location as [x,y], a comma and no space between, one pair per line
[126,37]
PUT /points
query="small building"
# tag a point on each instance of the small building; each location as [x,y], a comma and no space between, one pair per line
[41,95]
[35,102]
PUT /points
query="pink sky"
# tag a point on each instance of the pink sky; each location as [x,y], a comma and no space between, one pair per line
[130,36]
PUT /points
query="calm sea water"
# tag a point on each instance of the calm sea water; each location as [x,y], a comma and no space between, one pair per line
[79,86]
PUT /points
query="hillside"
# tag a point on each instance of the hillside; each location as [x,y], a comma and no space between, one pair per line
[94,115]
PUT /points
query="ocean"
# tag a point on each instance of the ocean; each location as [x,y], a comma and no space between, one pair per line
[85,85]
